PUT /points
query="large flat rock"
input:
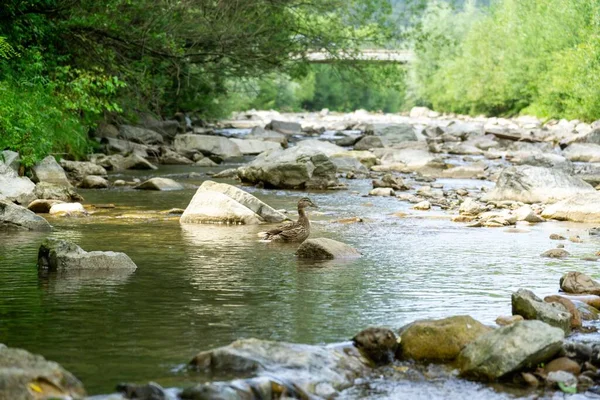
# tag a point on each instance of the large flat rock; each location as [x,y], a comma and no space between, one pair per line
[579,208]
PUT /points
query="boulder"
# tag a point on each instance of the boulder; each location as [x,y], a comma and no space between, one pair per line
[576,319]
[578,208]
[26,376]
[14,187]
[382,192]
[473,171]
[579,283]
[49,191]
[169,157]
[438,340]
[368,143]
[41,206]
[536,185]
[14,216]
[206,162]
[63,256]
[546,160]
[465,130]
[259,133]
[326,249]
[49,171]
[106,130]
[11,159]
[419,112]
[508,349]
[284,127]
[94,182]
[392,133]
[68,210]
[125,147]
[222,203]
[410,160]
[208,145]
[162,184]
[254,147]
[140,135]
[390,181]
[526,304]
[134,161]
[471,207]
[583,152]
[326,148]
[377,344]
[348,164]
[294,168]
[505,320]
[525,213]
[366,158]
[555,253]
[423,205]
[77,170]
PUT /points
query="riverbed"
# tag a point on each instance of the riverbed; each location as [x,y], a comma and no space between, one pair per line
[199,287]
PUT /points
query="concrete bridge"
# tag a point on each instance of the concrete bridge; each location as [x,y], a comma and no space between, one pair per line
[366,55]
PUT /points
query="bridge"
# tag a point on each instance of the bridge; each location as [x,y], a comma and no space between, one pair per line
[367,55]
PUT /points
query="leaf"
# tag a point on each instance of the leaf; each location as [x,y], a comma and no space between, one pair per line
[567,389]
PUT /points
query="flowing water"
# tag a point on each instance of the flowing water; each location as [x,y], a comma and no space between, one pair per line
[198,287]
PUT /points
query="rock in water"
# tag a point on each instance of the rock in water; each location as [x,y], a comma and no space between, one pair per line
[555,253]
[326,249]
[369,142]
[163,184]
[49,191]
[14,216]
[580,208]
[207,145]
[392,133]
[523,344]
[64,256]
[536,185]
[254,147]
[294,168]
[26,376]
[49,171]
[438,340]
[578,283]
[78,170]
[15,188]
[219,203]
[68,209]
[284,127]
[93,182]
[526,304]
[377,344]
[40,206]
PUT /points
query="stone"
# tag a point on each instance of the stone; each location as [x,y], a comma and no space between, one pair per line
[259,133]
[13,216]
[471,207]
[576,320]
[563,364]
[326,249]
[390,181]
[526,304]
[134,161]
[368,143]
[68,210]
[170,157]
[149,391]
[556,236]
[473,171]
[508,349]
[207,162]
[254,147]
[410,160]
[555,253]
[208,145]
[125,147]
[419,112]
[525,213]
[423,205]
[140,135]
[505,320]
[546,160]
[14,187]
[49,171]
[561,378]
[584,207]
[348,164]
[226,204]
[293,168]
[106,130]
[230,173]
[377,344]
[49,191]
[42,206]
[530,379]
[579,283]
[284,127]
[588,152]
[94,182]
[63,256]
[27,376]
[382,192]
[78,170]
[438,340]
[392,133]
[326,148]
[11,159]
[161,184]
[536,185]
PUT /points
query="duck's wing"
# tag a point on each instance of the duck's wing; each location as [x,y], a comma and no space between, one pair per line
[294,232]
[280,229]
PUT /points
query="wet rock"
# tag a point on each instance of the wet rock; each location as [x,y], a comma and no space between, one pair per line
[368,143]
[264,387]
[326,249]
[579,283]
[284,127]
[569,306]
[207,145]
[49,191]
[49,171]
[219,203]
[226,174]
[556,236]
[63,256]
[206,162]
[505,320]
[563,364]
[162,184]
[13,216]
[382,192]
[259,133]
[149,391]
[68,210]
[555,253]
[392,133]
[140,135]
[581,208]
[586,311]
[377,344]
[423,206]
[15,188]
[575,239]
[294,168]
[536,185]
[254,147]
[390,181]
[93,182]
[77,170]
[526,304]
[26,376]
[509,349]
[438,340]
[40,206]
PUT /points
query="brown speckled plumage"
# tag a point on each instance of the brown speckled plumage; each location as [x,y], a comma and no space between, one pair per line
[295,232]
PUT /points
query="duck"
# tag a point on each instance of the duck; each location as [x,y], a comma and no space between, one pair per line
[295,232]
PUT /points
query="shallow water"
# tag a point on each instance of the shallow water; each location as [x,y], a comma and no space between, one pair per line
[199,287]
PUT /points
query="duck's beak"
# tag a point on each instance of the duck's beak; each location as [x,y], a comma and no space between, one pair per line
[314,205]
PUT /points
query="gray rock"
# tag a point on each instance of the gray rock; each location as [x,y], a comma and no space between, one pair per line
[126,147]
[526,304]
[229,173]
[411,160]
[49,191]
[63,256]
[369,142]
[225,204]
[466,130]
[140,135]
[536,185]
[134,161]
[511,348]
[286,128]
[259,133]
[77,170]
[390,181]
[93,182]
[294,168]
[546,160]
[392,133]
[106,130]
[162,184]
[563,378]
[11,159]
[326,249]
[207,145]
[49,171]
[588,152]
[326,148]
[254,147]
[13,216]
[206,162]
[169,157]
[21,370]
[471,207]
[579,208]
[346,163]
[15,188]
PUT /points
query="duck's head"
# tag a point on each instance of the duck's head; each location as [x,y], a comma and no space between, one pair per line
[306,202]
